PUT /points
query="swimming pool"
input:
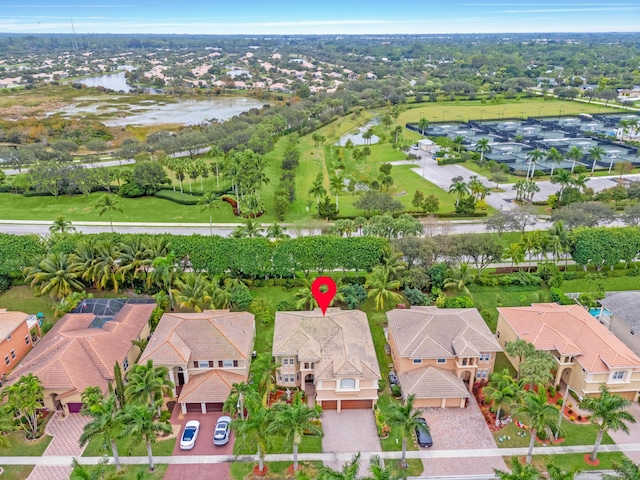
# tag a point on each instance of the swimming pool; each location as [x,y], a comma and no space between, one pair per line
[596,311]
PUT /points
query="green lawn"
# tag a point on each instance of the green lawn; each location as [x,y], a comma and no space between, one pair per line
[476,110]
[19,446]
[22,299]
[502,363]
[574,434]
[570,460]
[610,284]
[490,298]
[161,448]
[16,472]
[241,470]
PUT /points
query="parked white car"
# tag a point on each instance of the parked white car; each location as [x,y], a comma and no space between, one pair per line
[189,435]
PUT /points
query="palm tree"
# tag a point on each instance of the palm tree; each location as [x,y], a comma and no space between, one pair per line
[24,397]
[610,411]
[460,188]
[139,425]
[380,472]
[166,271]
[502,390]
[147,384]
[264,367]
[349,470]
[240,396]
[555,472]
[536,368]
[104,268]
[392,261]
[277,232]
[215,155]
[408,420]
[293,421]
[575,155]
[515,252]
[305,298]
[91,396]
[61,225]
[534,156]
[483,147]
[458,140]
[625,470]
[518,471]
[56,274]
[423,124]
[250,229]
[209,201]
[105,423]
[564,178]
[381,288]
[459,277]
[192,291]
[595,153]
[81,472]
[108,204]
[539,414]
[555,157]
[317,188]
[253,433]
[336,184]
[519,348]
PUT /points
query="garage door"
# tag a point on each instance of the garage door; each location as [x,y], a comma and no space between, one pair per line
[194,407]
[214,407]
[74,407]
[353,404]
[330,405]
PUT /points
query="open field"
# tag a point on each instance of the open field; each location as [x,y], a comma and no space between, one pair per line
[463,111]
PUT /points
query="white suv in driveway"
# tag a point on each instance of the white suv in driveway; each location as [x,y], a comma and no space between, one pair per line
[222,430]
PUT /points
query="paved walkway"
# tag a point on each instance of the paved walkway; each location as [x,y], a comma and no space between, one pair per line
[65,432]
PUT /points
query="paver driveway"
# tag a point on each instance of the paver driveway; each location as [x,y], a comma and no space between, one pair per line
[65,432]
[350,431]
[634,433]
[204,446]
[455,428]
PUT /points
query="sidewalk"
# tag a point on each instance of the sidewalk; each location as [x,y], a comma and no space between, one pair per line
[325,457]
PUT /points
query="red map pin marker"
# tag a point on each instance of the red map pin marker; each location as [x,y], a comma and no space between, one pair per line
[323,298]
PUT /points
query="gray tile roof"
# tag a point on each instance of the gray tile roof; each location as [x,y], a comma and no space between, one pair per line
[432,382]
[625,306]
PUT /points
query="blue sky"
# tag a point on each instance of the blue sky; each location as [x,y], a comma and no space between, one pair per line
[316,16]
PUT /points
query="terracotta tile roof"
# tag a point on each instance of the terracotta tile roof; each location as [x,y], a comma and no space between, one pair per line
[213,334]
[339,342]
[212,386]
[72,357]
[432,382]
[570,330]
[431,332]
[9,321]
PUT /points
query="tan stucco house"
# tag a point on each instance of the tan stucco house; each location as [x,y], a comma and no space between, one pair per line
[588,355]
[332,354]
[206,353]
[82,348]
[438,353]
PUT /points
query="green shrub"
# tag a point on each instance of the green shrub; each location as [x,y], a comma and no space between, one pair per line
[415,296]
[286,306]
[177,197]
[131,190]
[570,275]
[459,302]
[354,295]
[559,297]
[395,391]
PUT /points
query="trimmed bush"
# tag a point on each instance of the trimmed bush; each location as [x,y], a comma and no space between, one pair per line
[177,197]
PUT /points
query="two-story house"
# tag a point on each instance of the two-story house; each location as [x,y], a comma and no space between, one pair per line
[588,355]
[331,356]
[619,313]
[83,347]
[17,333]
[206,353]
[439,352]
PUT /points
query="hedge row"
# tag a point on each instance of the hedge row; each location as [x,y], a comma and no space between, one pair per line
[177,197]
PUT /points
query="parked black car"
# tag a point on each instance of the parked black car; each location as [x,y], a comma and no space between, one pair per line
[423,435]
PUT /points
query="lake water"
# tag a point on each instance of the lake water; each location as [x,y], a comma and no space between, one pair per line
[112,81]
[185,112]
[356,138]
